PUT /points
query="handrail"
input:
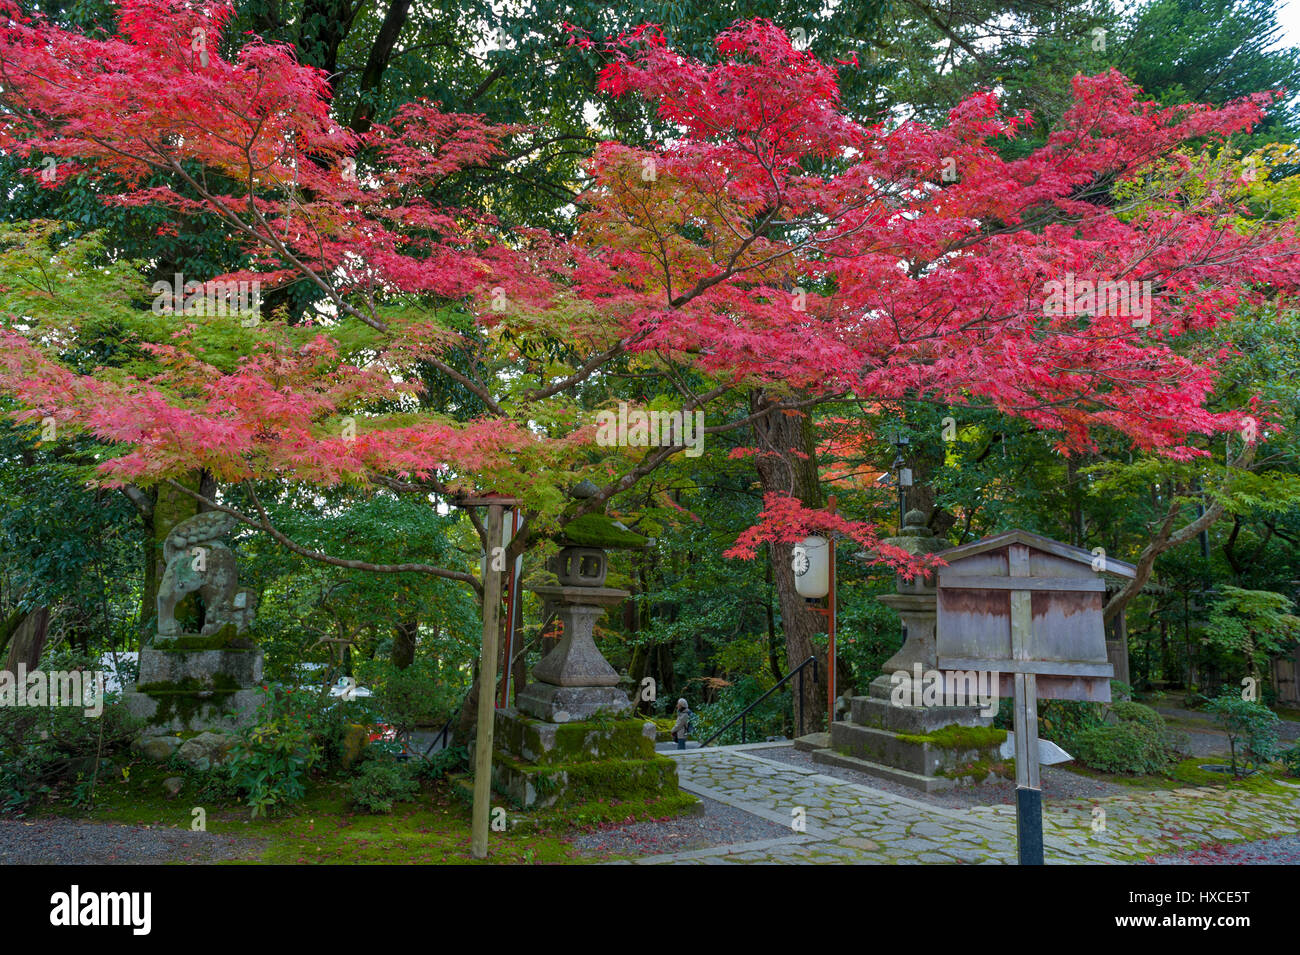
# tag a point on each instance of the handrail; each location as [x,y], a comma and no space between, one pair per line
[444,734]
[797,671]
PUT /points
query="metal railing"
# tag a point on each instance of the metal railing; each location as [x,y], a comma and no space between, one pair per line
[743,714]
[444,734]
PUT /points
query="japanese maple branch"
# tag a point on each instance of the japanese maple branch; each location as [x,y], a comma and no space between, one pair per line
[264,524]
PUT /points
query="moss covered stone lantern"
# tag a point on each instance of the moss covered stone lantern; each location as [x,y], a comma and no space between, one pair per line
[551,749]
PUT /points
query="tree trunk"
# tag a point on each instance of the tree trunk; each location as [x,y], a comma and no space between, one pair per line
[9,626]
[405,635]
[29,640]
[169,508]
[787,463]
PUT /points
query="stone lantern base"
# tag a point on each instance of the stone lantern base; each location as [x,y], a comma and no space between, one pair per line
[925,747]
[569,741]
[539,764]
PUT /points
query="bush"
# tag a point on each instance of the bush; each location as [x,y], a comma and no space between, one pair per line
[1062,721]
[441,763]
[269,763]
[1128,712]
[769,718]
[382,782]
[42,748]
[1137,744]
[1291,760]
[1251,728]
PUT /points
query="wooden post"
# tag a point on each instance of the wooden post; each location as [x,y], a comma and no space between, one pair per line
[830,628]
[512,612]
[487,681]
[1029,795]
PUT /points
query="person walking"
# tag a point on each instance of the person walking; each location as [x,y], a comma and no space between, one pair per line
[683,725]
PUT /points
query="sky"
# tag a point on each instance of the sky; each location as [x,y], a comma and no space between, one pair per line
[1289,17]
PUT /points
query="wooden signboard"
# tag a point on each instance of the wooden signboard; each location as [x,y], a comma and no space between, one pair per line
[1021,603]
[1030,609]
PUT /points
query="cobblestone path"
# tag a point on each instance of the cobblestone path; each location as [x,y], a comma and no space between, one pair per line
[846,822]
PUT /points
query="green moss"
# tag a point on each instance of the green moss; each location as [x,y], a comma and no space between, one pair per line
[600,530]
[596,781]
[614,810]
[220,683]
[227,638]
[1188,773]
[576,742]
[980,770]
[183,700]
[323,830]
[959,737]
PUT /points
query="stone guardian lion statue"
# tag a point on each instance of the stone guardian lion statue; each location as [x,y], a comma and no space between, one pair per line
[198,560]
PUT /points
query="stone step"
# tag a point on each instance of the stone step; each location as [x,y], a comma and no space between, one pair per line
[813,741]
[881,714]
[926,784]
[920,754]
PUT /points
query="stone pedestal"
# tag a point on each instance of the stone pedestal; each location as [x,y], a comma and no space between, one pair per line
[196,683]
[539,764]
[565,743]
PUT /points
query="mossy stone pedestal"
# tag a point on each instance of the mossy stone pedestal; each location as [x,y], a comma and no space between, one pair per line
[539,765]
[196,683]
[572,739]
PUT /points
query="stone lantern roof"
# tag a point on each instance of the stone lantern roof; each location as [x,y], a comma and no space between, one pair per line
[598,529]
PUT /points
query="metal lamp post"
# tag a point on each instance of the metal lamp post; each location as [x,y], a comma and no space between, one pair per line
[902,442]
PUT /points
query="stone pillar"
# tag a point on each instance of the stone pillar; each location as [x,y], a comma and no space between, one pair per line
[574,681]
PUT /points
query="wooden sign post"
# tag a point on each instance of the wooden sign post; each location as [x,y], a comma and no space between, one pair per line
[1019,606]
[487,674]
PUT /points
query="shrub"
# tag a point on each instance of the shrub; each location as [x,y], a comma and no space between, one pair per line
[1062,721]
[441,763]
[1291,760]
[381,782]
[269,763]
[1137,743]
[1128,712]
[1251,728]
[1123,748]
[769,718]
[44,747]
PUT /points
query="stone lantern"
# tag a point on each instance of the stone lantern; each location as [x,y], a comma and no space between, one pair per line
[551,748]
[575,681]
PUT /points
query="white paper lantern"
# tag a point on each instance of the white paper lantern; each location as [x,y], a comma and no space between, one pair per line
[811,562]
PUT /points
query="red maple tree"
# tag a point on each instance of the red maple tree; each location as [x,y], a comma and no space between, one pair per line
[776,246]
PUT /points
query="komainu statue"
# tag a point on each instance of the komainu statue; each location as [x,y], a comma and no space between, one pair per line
[198,560]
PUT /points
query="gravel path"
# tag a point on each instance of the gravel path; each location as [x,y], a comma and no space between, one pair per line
[718,825]
[1281,851]
[1057,784]
[53,841]
[1288,731]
